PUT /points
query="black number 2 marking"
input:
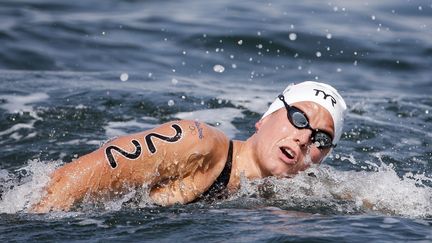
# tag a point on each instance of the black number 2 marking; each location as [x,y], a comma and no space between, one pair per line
[134,155]
[172,139]
[111,159]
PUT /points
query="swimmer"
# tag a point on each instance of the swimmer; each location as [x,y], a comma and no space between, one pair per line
[185,161]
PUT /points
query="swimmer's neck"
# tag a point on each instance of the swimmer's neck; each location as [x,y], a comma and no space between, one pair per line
[245,163]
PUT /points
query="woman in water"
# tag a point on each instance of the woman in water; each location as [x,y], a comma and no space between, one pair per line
[183,161]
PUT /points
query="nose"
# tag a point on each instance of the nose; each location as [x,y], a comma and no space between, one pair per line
[302,137]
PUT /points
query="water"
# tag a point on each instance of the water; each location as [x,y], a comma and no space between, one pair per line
[76,74]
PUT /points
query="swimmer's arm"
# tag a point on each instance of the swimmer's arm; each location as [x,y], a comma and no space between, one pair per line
[206,159]
[68,184]
[93,173]
[347,196]
[187,189]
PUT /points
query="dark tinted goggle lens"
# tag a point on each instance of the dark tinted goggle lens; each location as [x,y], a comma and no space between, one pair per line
[323,139]
[298,119]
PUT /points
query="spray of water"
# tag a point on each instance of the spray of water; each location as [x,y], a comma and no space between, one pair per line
[326,190]
[24,187]
[320,189]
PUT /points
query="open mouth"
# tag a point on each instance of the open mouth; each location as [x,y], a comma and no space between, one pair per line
[287,152]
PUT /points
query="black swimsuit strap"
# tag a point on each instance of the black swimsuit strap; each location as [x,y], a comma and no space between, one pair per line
[222,181]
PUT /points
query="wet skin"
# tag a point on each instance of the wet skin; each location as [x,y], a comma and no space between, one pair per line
[180,171]
[280,149]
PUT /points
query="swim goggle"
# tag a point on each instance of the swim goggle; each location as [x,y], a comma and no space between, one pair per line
[299,120]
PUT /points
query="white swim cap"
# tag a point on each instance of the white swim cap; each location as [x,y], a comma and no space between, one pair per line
[320,93]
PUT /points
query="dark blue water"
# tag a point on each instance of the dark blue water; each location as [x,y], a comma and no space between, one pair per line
[74,74]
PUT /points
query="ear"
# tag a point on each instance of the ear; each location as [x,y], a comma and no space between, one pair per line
[258,125]
[261,122]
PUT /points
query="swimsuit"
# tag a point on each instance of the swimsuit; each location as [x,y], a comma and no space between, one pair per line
[217,189]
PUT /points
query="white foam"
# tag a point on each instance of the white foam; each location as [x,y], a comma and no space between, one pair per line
[403,127]
[382,191]
[81,141]
[29,190]
[22,103]
[98,223]
[114,129]
[253,97]
[388,220]
[17,127]
[221,117]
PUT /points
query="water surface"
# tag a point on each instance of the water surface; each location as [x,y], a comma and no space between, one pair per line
[76,74]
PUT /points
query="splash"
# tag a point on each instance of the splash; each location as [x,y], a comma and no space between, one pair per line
[326,190]
[24,188]
[318,190]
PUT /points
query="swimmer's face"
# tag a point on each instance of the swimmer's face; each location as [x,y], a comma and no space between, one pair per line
[284,150]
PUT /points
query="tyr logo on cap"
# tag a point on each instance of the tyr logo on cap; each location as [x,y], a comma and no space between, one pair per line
[318,91]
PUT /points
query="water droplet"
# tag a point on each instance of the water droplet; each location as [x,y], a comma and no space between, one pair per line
[373,17]
[329,36]
[339,70]
[174,81]
[124,77]
[260,46]
[240,42]
[427,111]
[420,8]
[218,68]
[292,36]
[318,54]
[170,102]
[234,66]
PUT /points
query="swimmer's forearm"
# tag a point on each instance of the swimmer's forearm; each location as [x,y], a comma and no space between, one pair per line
[70,183]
